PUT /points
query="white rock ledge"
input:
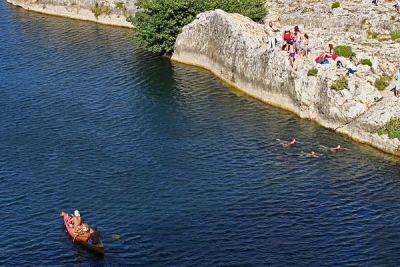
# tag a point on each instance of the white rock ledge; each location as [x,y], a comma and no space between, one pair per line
[73,11]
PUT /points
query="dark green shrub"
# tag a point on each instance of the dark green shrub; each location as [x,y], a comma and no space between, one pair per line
[335,5]
[366,61]
[157,23]
[381,83]
[312,72]
[395,35]
[344,51]
[391,128]
[340,84]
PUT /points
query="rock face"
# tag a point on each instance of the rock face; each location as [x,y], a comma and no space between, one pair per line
[104,11]
[235,49]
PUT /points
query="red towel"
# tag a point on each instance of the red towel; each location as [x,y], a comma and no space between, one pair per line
[334,57]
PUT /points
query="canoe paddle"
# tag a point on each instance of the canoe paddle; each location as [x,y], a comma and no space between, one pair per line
[115,236]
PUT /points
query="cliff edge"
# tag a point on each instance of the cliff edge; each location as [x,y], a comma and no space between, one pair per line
[235,49]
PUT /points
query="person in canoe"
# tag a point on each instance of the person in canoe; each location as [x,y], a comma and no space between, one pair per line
[75,221]
[94,237]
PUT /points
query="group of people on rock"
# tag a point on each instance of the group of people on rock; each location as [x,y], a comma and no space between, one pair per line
[297,43]
[292,41]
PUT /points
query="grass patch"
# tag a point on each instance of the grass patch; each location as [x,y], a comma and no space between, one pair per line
[395,35]
[312,72]
[119,5]
[381,83]
[391,128]
[340,84]
[372,35]
[366,61]
[335,5]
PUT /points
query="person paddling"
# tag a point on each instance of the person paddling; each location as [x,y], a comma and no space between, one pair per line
[75,221]
[94,237]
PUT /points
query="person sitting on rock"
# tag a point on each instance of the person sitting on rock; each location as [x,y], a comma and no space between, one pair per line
[397,6]
[286,39]
[306,45]
[331,50]
[292,53]
[351,69]
[298,38]
[398,84]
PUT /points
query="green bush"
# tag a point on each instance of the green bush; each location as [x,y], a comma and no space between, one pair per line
[312,72]
[157,23]
[395,35]
[391,128]
[340,84]
[344,51]
[366,61]
[381,83]
[335,5]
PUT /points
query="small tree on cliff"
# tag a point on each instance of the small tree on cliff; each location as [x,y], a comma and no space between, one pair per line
[158,22]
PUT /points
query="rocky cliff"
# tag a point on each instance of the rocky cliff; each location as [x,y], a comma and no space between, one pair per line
[234,48]
[107,12]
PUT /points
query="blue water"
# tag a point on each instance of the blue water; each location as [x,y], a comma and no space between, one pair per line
[188,171]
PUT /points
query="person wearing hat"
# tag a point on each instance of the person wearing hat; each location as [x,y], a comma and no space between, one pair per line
[76,221]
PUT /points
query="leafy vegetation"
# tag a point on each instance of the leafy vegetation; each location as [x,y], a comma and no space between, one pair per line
[100,9]
[366,61]
[312,72]
[119,4]
[344,51]
[340,83]
[158,23]
[391,128]
[335,5]
[381,83]
[395,35]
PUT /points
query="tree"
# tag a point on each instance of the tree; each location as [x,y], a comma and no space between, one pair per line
[157,23]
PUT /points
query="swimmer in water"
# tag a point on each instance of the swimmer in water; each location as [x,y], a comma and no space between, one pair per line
[292,142]
[338,147]
[313,154]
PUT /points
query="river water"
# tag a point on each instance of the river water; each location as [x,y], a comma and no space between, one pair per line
[188,171]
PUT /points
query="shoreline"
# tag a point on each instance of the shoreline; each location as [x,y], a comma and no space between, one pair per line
[73,12]
[355,137]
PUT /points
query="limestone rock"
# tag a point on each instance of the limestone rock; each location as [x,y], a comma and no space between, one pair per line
[110,12]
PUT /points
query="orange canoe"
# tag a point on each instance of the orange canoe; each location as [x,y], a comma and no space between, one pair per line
[82,238]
